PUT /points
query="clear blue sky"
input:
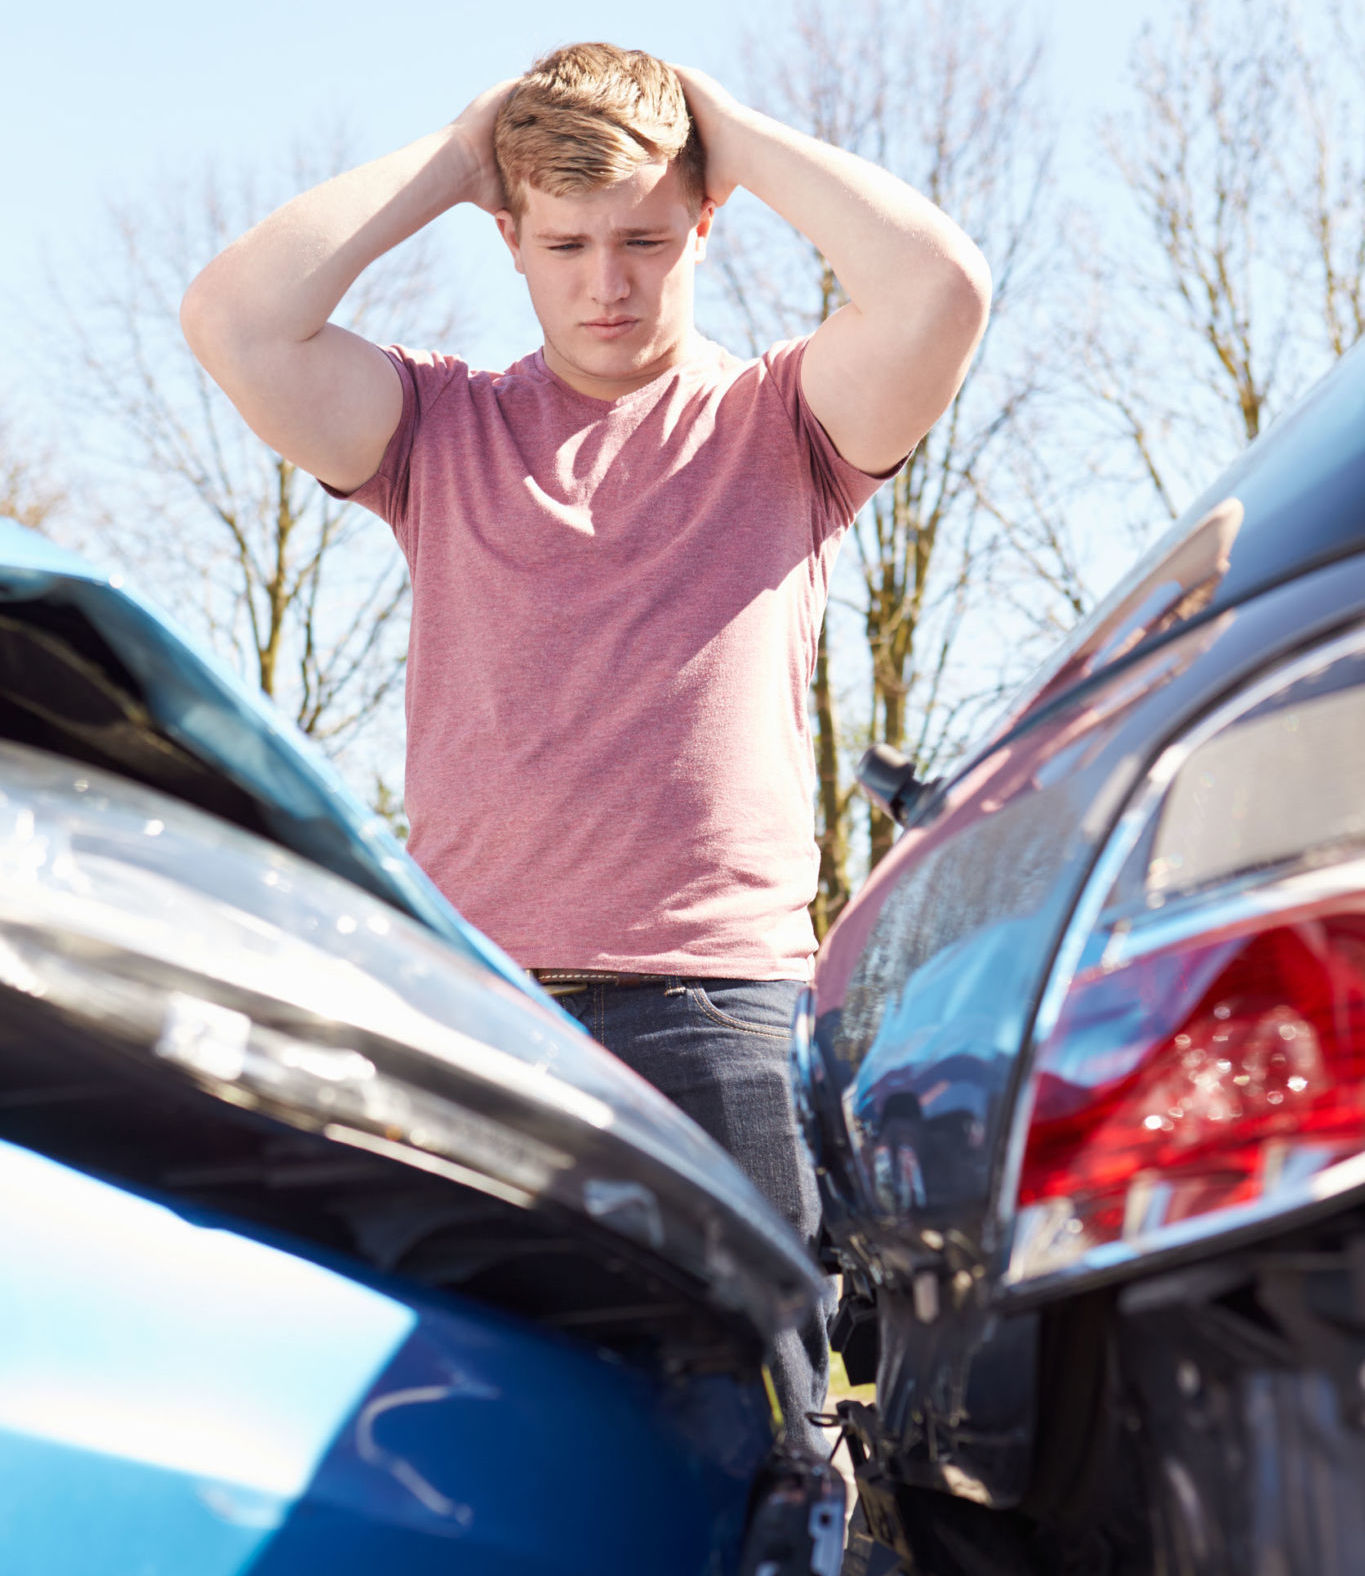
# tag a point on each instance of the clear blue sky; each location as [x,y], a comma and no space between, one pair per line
[107,100]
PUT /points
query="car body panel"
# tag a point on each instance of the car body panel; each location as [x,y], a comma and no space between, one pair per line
[928,984]
[926,991]
[178,1395]
[269,893]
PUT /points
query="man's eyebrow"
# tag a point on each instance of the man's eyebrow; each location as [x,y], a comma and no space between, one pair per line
[631,233]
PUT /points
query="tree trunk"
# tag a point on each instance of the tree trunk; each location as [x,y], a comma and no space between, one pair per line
[832,834]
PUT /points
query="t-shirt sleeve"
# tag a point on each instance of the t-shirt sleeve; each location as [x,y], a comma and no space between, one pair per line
[428,380]
[841,488]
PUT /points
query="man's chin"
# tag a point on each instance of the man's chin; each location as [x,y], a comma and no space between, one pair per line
[627,356]
[619,362]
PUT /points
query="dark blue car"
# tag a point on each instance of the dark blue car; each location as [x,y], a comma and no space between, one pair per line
[1084,1069]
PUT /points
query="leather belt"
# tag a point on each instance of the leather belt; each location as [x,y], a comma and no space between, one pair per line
[567,982]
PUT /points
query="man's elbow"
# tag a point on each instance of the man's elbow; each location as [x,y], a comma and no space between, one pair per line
[201,316]
[944,296]
[966,290]
[212,319]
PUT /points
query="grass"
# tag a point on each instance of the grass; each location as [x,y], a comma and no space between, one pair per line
[839,1387]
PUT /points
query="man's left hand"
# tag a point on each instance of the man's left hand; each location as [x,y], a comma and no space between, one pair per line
[715,112]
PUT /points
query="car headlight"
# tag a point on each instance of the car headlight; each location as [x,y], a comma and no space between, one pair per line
[240,963]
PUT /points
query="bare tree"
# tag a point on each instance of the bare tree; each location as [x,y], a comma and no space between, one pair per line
[1237,273]
[29,490]
[950,98]
[1330,83]
[305,595]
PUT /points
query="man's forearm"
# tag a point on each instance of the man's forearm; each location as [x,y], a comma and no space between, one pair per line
[257,316]
[282,280]
[887,243]
[882,238]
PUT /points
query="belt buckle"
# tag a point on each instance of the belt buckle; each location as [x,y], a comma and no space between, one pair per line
[568,982]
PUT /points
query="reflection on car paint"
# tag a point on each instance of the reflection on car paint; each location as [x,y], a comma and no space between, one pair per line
[226,1405]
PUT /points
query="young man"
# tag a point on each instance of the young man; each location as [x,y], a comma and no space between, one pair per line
[620,547]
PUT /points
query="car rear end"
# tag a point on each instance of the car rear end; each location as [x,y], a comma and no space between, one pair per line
[1083,1071]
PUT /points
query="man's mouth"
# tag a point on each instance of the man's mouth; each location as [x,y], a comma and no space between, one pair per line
[610,327]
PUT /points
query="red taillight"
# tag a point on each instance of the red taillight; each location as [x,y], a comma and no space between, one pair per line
[1200,1056]
[1194,1078]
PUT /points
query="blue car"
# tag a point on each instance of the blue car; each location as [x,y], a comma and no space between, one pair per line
[330,1243]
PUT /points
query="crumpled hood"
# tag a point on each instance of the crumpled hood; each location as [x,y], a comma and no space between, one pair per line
[297,963]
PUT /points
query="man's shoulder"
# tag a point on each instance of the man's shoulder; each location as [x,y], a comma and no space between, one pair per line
[711,356]
[436,367]
[774,370]
[438,379]
[782,358]
[777,366]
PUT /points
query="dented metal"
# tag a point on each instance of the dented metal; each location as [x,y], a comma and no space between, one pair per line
[279,987]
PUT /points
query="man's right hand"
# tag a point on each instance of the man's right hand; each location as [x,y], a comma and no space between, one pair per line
[257,316]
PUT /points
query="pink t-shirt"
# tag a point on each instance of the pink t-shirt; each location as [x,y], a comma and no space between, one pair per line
[615,613]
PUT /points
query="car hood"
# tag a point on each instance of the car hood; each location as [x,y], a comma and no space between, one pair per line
[188,887]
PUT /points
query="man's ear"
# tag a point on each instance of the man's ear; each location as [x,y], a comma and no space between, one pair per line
[703,227]
[507,229]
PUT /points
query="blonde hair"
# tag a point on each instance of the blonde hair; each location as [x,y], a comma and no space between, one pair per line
[589,115]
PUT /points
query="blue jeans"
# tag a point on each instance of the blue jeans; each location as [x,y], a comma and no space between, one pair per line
[718,1048]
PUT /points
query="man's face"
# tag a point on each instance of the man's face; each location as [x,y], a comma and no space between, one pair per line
[610,274]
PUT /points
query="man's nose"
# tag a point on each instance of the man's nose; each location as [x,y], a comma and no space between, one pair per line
[609,282]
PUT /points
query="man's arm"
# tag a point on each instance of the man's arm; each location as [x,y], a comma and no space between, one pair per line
[882,370]
[256,317]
